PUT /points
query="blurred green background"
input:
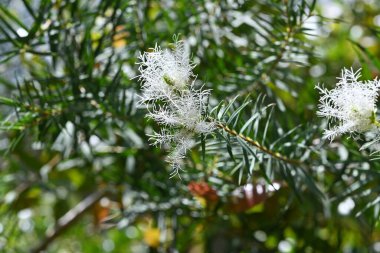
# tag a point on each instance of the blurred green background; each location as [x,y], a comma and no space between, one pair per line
[77,173]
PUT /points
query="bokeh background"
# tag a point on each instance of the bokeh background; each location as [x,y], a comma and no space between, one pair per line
[77,173]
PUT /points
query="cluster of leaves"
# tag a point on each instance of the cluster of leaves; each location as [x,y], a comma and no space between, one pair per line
[74,141]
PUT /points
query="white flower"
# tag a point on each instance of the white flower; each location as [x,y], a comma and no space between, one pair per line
[351,105]
[163,71]
[173,102]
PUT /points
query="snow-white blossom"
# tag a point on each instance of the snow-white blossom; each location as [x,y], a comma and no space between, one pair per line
[350,106]
[163,71]
[169,93]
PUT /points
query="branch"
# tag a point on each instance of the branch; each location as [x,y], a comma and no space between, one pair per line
[265,74]
[290,33]
[259,146]
[69,219]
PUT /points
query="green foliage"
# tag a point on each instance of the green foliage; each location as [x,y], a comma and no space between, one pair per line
[78,174]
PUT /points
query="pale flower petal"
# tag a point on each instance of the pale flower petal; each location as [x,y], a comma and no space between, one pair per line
[351,105]
[169,94]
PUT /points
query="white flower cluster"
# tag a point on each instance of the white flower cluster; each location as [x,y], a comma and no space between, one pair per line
[169,93]
[352,105]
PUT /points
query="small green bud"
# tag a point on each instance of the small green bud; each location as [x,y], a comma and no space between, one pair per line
[168,80]
[373,117]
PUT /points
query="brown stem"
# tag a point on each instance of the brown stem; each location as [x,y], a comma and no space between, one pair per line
[258,145]
[265,75]
[69,219]
[290,33]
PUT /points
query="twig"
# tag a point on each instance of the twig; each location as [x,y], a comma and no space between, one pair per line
[259,146]
[265,75]
[69,219]
[290,33]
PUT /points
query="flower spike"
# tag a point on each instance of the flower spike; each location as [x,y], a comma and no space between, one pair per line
[350,106]
[169,94]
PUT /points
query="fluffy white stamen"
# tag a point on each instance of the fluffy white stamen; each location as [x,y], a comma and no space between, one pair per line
[173,102]
[350,106]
